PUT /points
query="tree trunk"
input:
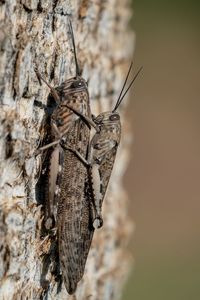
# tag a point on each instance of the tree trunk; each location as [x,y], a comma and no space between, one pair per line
[35,32]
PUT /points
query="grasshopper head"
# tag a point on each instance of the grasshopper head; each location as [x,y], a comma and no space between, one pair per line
[110,128]
[107,118]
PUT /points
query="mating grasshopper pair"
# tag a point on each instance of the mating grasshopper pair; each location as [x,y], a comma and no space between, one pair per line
[79,169]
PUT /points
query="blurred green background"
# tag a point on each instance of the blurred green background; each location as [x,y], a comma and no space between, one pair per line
[163,178]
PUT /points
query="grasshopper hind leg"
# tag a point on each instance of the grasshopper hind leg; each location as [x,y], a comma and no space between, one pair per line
[95,185]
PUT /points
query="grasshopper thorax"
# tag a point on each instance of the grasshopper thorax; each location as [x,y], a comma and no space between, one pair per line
[73,85]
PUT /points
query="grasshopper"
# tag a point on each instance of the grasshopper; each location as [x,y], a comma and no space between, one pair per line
[102,152]
[79,170]
[68,198]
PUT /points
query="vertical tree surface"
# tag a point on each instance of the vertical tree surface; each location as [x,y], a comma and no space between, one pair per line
[35,32]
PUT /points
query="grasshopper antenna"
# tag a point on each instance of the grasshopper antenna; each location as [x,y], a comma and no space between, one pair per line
[132,81]
[116,105]
[74,47]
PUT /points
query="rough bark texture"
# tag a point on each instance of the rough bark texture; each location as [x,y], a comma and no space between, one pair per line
[36,32]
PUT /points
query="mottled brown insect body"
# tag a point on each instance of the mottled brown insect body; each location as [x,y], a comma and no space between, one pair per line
[102,152]
[74,219]
[103,149]
[78,171]
[67,195]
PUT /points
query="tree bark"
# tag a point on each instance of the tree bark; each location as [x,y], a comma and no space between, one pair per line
[35,32]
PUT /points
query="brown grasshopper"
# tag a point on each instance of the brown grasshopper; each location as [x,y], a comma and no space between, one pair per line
[102,152]
[67,192]
[79,171]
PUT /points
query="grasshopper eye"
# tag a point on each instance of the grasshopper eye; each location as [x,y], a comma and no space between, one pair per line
[76,84]
[114,117]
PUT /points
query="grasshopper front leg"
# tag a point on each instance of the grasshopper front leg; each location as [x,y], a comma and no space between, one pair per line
[86,119]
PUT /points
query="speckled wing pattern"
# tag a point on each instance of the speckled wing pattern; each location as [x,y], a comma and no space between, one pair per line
[105,170]
[105,145]
[64,119]
[74,215]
